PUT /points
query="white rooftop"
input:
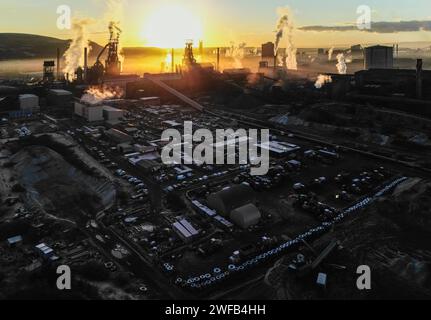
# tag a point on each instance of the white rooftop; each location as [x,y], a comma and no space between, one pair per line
[60,92]
[27,95]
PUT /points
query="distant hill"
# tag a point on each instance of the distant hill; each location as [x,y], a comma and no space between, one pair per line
[29,46]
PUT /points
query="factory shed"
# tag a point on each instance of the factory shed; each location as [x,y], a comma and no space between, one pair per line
[185,230]
[112,114]
[278,148]
[29,102]
[231,198]
[246,216]
[379,57]
[118,136]
[14,241]
[60,98]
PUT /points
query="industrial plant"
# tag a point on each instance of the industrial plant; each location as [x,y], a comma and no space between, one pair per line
[84,182]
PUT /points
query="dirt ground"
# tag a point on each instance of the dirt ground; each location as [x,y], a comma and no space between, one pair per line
[392,238]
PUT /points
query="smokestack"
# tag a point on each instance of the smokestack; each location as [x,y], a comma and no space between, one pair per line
[201,48]
[419,64]
[85,63]
[58,64]
[173,60]
[218,59]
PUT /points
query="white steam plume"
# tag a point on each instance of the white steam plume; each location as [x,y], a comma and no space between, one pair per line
[341,65]
[237,52]
[322,80]
[281,24]
[285,29]
[97,94]
[74,55]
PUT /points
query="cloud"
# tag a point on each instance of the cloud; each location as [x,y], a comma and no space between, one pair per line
[378,27]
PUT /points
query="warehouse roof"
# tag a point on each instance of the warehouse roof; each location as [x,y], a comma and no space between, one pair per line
[60,92]
[246,216]
[231,198]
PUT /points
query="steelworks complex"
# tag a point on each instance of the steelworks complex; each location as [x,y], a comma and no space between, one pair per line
[83,182]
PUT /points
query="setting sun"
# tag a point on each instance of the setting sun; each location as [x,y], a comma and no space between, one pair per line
[170,26]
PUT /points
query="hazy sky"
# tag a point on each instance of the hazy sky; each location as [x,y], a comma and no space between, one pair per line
[217,22]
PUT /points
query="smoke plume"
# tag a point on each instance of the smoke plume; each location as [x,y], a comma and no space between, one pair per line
[285,29]
[97,94]
[322,80]
[281,25]
[74,56]
[341,65]
[237,52]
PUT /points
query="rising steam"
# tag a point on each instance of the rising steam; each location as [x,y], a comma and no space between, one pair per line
[97,94]
[74,56]
[237,52]
[322,80]
[341,65]
[285,29]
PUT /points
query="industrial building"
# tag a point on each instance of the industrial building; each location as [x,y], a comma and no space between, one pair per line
[246,216]
[59,98]
[279,148]
[46,252]
[357,52]
[120,81]
[231,198]
[14,241]
[118,136]
[48,71]
[29,102]
[112,114]
[91,113]
[379,57]
[268,58]
[407,82]
[185,230]
[268,50]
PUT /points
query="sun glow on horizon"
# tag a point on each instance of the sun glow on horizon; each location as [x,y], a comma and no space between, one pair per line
[170,26]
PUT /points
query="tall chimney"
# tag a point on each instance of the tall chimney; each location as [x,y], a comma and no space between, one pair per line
[419,64]
[173,60]
[218,59]
[58,64]
[85,63]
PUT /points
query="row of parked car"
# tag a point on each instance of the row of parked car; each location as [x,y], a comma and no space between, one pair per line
[310,204]
[139,186]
